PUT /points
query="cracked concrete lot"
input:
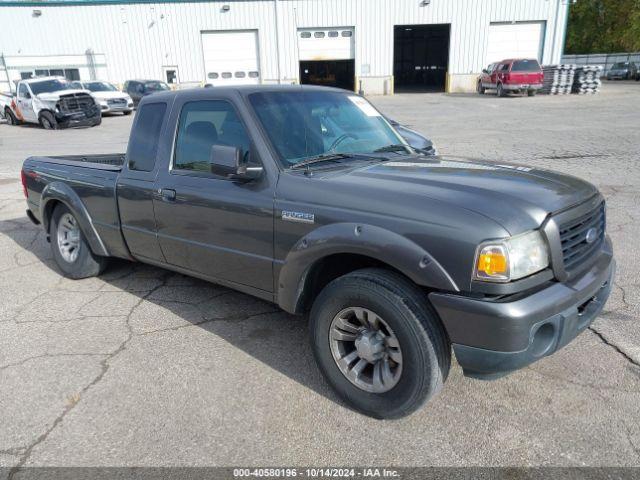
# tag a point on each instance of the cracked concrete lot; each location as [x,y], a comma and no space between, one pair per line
[144,367]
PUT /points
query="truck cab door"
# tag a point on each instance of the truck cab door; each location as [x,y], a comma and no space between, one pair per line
[215,227]
[24,102]
[135,188]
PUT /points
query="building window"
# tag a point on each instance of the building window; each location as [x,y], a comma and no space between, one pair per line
[240,75]
[254,74]
[72,74]
[333,34]
[305,34]
[226,75]
[26,75]
[347,33]
[213,75]
[318,34]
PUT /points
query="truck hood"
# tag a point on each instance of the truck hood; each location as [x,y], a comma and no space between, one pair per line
[55,96]
[108,95]
[518,198]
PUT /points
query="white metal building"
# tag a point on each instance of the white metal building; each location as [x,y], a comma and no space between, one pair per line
[376,46]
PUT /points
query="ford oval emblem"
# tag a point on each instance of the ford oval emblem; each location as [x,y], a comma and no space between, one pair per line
[592,235]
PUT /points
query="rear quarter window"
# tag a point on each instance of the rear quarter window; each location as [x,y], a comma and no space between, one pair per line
[143,145]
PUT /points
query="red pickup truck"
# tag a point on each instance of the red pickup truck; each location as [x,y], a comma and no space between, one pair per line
[513,75]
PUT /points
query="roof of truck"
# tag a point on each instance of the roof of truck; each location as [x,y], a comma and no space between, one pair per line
[243,90]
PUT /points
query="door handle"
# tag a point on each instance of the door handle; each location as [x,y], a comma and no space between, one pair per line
[167,194]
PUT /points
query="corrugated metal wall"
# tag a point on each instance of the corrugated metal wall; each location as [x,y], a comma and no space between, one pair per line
[138,39]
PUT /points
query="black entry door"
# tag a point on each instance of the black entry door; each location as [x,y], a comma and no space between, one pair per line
[421,57]
[329,73]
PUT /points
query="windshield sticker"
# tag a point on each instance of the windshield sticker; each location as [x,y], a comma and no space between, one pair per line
[365,106]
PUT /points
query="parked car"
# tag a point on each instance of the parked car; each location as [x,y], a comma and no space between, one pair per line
[512,76]
[137,89]
[307,197]
[53,103]
[623,71]
[110,98]
[5,105]
[418,141]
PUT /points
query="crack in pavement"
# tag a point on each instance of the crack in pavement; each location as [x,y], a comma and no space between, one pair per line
[49,355]
[104,364]
[614,346]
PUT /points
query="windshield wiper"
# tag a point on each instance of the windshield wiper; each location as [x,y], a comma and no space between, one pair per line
[396,147]
[325,157]
[334,157]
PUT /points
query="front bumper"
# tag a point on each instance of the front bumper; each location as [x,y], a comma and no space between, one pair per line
[116,107]
[518,87]
[78,119]
[493,338]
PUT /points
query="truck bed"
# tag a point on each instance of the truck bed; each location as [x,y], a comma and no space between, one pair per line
[103,161]
[89,184]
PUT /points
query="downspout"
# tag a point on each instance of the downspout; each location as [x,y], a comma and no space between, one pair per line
[564,34]
[6,71]
[555,32]
[277,15]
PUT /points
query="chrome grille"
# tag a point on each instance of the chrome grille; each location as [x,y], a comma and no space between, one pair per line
[76,102]
[573,236]
[116,101]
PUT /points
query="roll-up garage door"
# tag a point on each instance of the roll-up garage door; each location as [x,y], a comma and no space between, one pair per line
[327,56]
[515,40]
[231,57]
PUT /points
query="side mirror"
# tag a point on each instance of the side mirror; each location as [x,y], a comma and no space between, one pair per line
[484,70]
[227,161]
[27,95]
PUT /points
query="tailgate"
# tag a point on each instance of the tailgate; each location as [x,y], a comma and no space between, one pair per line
[528,78]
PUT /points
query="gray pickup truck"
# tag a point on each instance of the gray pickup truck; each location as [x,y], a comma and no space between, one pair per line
[308,197]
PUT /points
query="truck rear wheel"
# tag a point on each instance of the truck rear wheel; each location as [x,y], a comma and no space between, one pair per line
[11,118]
[48,121]
[70,248]
[379,343]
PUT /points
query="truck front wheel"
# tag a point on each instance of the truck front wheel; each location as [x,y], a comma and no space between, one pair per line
[70,248]
[48,121]
[379,343]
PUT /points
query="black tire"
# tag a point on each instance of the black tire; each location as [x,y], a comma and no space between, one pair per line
[87,264]
[127,112]
[532,93]
[480,89]
[426,351]
[48,121]
[11,118]
[500,91]
[98,121]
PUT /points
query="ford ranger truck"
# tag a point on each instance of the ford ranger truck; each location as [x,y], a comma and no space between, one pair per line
[307,197]
[53,103]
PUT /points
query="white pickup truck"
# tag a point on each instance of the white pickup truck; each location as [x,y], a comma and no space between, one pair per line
[53,103]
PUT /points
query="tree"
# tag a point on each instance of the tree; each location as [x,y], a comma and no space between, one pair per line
[603,26]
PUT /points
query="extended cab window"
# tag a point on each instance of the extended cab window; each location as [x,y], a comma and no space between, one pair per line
[203,124]
[143,144]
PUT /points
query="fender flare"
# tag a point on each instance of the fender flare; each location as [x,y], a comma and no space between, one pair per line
[368,240]
[61,192]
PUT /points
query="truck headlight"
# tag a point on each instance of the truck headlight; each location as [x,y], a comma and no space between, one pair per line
[512,258]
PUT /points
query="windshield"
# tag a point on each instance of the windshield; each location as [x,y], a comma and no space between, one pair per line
[49,86]
[100,87]
[301,125]
[620,65]
[525,66]
[155,86]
